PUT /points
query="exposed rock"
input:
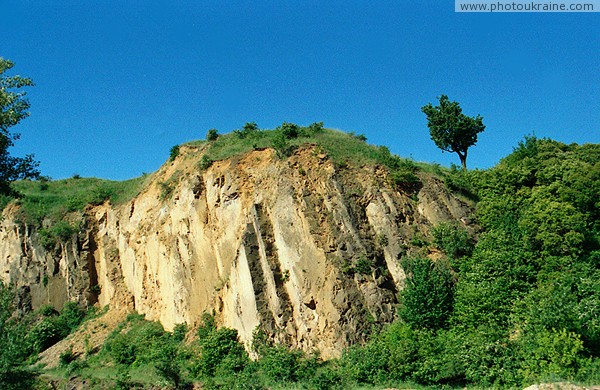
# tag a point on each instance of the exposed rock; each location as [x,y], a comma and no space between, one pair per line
[307,252]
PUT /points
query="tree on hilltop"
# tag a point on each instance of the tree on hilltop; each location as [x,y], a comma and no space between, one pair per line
[450,129]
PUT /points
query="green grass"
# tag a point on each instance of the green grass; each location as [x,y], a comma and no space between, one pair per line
[54,199]
[342,148]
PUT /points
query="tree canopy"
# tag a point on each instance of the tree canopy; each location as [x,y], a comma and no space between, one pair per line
[450,129]
[14,107]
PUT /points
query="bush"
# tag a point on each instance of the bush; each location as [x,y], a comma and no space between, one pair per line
[550,354]
[205,163]
[122,350]
[281,145]
[212,135]
[279,364]
[221,353]
[316,128]
[179,332]
[70,317]
[44,334]
[173,153]
[249,130]
[66,357]
[289,130]
[426,301]
[166,361]
[452,239]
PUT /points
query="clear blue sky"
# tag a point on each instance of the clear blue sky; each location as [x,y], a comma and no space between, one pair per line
[120,82]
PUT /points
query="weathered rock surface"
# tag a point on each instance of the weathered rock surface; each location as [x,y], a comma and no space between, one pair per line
[307,251]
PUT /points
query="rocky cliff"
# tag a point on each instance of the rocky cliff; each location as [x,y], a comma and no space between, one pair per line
[305,250]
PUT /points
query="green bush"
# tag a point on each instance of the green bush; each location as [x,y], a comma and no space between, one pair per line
[70,317]
[279,364]
[205,163]
[426,301]
[44,334]
[289,130]
[282,146]
[220,354]
[452,239]
[122,350]
[179,332]
[212,135]
[66,357]
[166,361]
[173,153]
[249,130]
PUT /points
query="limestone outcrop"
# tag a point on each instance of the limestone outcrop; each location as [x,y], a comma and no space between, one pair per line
[307,251]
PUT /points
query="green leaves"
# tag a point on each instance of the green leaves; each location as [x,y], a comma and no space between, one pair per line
[450,129]
[13,108]
[426,301]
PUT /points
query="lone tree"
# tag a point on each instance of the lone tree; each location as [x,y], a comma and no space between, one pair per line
[13,108]
[450,129]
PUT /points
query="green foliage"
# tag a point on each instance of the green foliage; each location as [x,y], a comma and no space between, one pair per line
[52,328]
[289,130]
[282,146]
[122,350]
[66,357]
[205,163]
[315,128]
[179,332]
[450,129]
[14,107]
[452,239]
[64,196]
[249,130]
[173,153]
[14,372]
[549,354]
[363,266]
[166,361]
[426,301]
[212,135]
[60,232]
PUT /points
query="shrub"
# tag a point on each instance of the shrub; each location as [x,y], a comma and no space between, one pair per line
[316,128]
[550,354]
[279,364]
[179,332]
[173,153]
[66,357]
[122,350]
[166,362]
[249,130]
[212,135]
[221,353]
[289,130]
[205,163]
[44,334]
[363,266]
[70,317]
[281,145]
[426,301]
[452,239]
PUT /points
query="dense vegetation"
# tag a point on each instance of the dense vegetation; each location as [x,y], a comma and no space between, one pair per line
[517,304]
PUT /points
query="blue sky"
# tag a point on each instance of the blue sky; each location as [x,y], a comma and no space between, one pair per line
[120,82]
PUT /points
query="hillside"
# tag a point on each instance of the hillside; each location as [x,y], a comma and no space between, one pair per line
[317,241]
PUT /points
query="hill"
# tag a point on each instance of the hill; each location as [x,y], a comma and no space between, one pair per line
[311,239]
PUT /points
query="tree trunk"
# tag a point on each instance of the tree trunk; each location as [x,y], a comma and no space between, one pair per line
[463,159]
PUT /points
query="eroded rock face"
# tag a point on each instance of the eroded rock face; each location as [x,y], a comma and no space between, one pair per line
[307,252]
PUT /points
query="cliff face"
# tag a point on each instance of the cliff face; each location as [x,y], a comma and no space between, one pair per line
[304,250]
